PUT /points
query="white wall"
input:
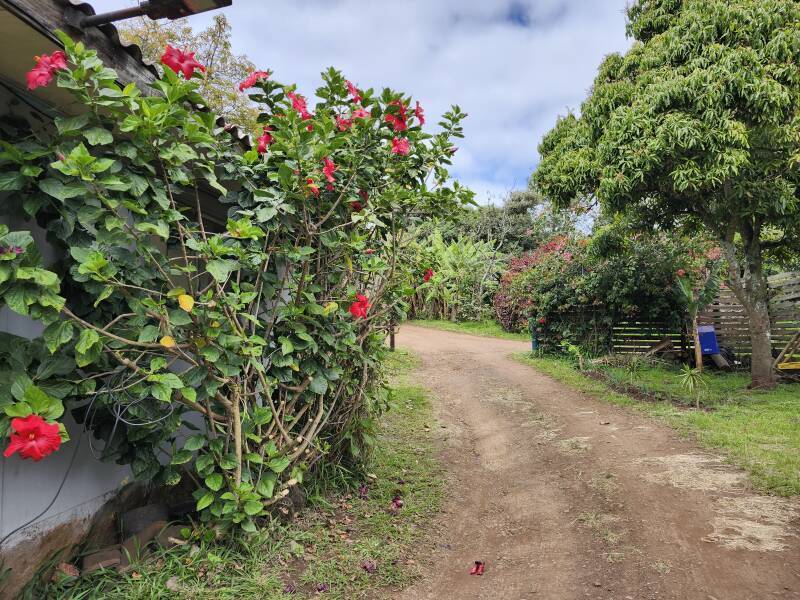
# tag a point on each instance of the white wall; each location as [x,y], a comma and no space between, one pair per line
[27,487]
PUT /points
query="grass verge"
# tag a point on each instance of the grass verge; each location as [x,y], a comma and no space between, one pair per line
[481,328]
[322,554]
[758,430]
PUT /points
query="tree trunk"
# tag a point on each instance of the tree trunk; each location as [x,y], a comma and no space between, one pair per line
[698,350]
[749,283]
[761,371]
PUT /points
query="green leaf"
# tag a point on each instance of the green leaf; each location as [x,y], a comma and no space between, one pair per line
[148,334]
[19,409]
[279,464]
[220,269]
[87,339]
[214,482]
[160,228]
[266,487]
[195,442]
[39,402]
[286,345]
[161,392]
[319,384]
[11,181]
[57,189]
[205,501]
[98,136]
[57,334]
[70,124]
[181,457]
[179,318]
[252,507]
[248,525]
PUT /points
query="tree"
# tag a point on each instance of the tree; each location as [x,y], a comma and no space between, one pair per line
[212,47]
[696,126]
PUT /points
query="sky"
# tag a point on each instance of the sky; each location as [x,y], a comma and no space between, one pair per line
[513,65]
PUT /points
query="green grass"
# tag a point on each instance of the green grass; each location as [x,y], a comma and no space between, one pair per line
[481,328]
[326,545]
[757,430]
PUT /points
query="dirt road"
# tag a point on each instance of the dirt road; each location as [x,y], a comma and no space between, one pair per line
[566,497]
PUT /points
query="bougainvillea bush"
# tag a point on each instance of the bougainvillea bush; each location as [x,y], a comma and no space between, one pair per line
[242,294]
[576,288]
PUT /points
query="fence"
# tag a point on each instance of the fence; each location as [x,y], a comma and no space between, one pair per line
[727,316]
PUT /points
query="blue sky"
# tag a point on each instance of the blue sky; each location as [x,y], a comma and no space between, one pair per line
[513,65]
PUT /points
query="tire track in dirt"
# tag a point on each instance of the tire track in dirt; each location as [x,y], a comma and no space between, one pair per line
[566,497]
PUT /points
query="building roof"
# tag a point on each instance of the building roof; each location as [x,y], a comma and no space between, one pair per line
[43,18]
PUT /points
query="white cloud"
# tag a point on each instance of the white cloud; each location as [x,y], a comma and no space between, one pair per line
[514,66]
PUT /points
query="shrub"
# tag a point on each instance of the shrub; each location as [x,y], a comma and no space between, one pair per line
[265,326]
[577,288]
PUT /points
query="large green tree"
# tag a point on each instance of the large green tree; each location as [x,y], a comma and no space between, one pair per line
[696,125]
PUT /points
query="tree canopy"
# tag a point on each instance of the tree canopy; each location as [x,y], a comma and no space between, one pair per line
[696,125]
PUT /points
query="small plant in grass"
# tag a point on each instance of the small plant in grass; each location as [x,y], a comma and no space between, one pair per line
[693,382]
[575,353]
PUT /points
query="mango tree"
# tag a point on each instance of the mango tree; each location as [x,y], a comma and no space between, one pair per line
[697,125]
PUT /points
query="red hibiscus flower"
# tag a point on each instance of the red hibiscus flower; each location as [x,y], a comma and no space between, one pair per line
[360,307]
[252,79]
[265,140]
[369,251]
[681,273]
[181,62]
[420,113]
[354,93]
[46,67]
[328,169]
[400,146]
[343,124]
[299,104]
[311,187]
[398,121]
[428,275]
[361,113]
[33,438]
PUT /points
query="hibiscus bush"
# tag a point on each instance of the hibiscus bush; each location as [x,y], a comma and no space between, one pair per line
[217,313]
[576,288]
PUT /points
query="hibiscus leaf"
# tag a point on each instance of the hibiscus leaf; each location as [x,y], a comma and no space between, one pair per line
[98,136]
[214,482]
[205,501]
[195,442]
[266,486]
[18,409]
[220,269]
[278,465]
[253,507]
[181,457]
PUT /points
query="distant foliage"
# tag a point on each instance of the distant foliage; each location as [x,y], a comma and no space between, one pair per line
[456,279]
[575,288]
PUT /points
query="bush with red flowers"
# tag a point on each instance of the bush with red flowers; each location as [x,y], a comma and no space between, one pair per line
[580,287]
[161,310]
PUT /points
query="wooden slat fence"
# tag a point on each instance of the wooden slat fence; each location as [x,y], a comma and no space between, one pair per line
[729,319]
